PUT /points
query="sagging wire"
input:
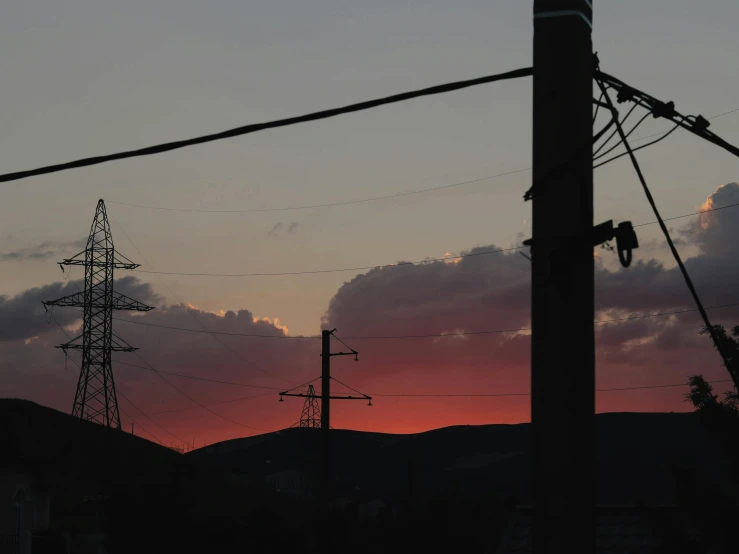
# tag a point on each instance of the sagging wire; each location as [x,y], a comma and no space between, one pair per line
[528,195]
[612,148]
[613,134]
[366,397]
[673,249]
[664,136]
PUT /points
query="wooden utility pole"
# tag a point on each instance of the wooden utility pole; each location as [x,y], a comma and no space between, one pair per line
[562,308]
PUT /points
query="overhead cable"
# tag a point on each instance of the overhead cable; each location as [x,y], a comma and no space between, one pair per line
[452,395]
[253,128]
[200,404]
[123,396]
[328,205]
[191,314]
[338,270]
[374,198]
[717,343]
[698,126]
[622,154]
[420,262]
[134,321]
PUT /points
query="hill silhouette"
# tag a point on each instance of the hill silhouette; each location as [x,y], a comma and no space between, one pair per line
[138,494]
[636,456]
[149,498]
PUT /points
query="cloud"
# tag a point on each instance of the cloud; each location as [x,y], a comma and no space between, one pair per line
[715,233]
[34,369]
[41,251]
[23,316]
[478,293]
[648,284]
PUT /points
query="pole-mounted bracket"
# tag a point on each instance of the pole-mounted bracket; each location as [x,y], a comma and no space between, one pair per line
[626,240]
[624,234]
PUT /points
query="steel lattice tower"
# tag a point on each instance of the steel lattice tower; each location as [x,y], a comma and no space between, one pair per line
[96,399]
[311,416]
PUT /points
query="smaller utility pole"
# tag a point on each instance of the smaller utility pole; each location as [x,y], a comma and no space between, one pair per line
[326,407]
[326,398]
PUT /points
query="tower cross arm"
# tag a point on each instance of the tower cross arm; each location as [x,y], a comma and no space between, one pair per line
[119,260]
[123,302]
[73,300]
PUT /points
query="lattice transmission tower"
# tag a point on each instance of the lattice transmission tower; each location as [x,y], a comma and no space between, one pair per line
[311,416]
[96,399]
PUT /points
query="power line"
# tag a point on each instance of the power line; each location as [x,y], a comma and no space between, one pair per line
[253,128]
[521,329]
[241,399]
[329,205]
[123,396]
[529,394]
[597,156]
[150,419]
[237,354]
[398,264]
[152,435]
[622,154]
[674,251]
[338,270]
[421,336]
[205,379]
[452,395]
[709,117]
[690,214]
[699,126]
[373,198]
[345,344]
[191,399]
[613,134]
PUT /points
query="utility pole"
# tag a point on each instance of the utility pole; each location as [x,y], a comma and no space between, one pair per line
[326,398]
[562,304]
[326,407]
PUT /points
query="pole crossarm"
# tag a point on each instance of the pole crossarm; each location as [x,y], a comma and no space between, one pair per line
[353,353]
[331,397]
[119,261]
[698,125]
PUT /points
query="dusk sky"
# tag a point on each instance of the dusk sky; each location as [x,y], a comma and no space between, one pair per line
[83,78]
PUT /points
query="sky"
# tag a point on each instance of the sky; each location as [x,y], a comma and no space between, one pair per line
[83,78]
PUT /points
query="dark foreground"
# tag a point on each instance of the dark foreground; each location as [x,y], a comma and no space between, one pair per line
[665,484]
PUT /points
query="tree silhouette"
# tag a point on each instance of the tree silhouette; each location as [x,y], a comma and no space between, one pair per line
[713,509]
[730,345]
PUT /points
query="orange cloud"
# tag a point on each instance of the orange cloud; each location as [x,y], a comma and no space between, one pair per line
[705,219]
[275,322]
